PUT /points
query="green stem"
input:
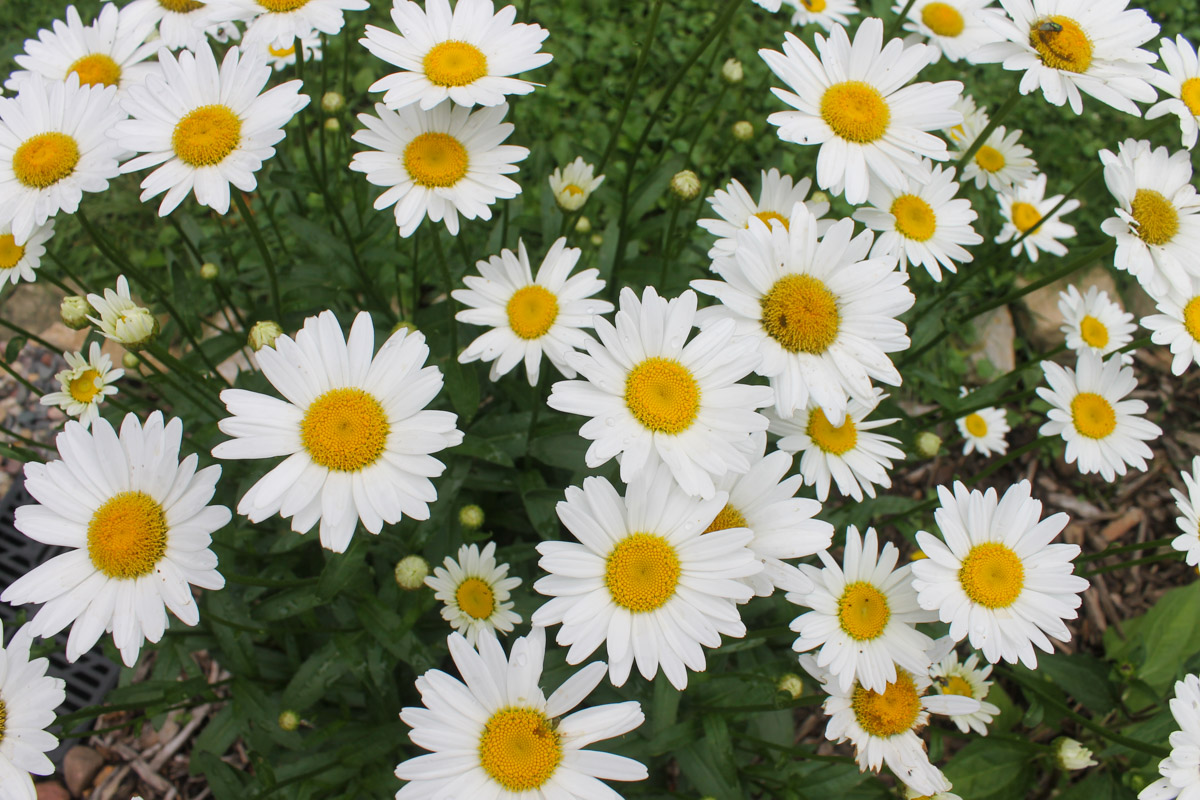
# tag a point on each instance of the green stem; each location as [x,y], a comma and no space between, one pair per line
[33,337]
[1001,113]
[268,261]
[1129,548]
[1049,215]
[1072,265]
[449,282]
[20,379]
[615,132]
[1170,555]
[793,751]
[25,439]
[666,243]
[270,583]
[1012,456]
[894,26]
[810,700]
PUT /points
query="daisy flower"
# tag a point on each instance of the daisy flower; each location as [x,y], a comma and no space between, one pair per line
[966,679]
[1068,46]
[769,5]
[84,385]
[140,526]
[282,54]
[1189,506]
[1001,162]
[54,146]
[863,615]
[853,102]
[1093,322]
[207,127]
[1182,82]
[644,577]
[1157,226]
[983,431]
[923,223]
[1178,325]
[496,734]
[468,56]
[996,578]
[121,319]
[1180,773]
[28,697]
[279,20]
[655,397]
[848,455]
[19,261]
[528,316]
[475,590]
[574,184]
[1102,431]
[1026,207]
[353,426]
[181,23]
[777,198]
[825,13]
[438,163]
[952,28]
[821,313]
[975,119]
[913,794]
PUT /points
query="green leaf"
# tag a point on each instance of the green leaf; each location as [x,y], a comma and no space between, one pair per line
[14,348]
[539,502]
[218,735]
[320,671]
[1097,786]
[225,781]
[342,570]
[1160,642]
[1082,677]
[484,450]
[462,384]
[991,769]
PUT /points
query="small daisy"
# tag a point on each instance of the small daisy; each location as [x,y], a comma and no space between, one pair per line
[913,794]
[1094,322]
[353,426]
[983,431]
[1027,206]
[776,200]
[923,222]
[85,385]
[996,578]
[496,734]
[28,697]
[529,316]
[825,13]
[121,319]
[655,397]
[1189,506]
[644,577]
[1182,82]
[181,23]
[139,522]
[1178,325]
[1001,162]
[967,679]
[207,127]
[281,55]
[278,20]
[848,454]
[1102,431]
[870,126]
[953,28]
[468,57]
[1068,46]
[574,184]
[19,262]
[438,163]
[1180,772]
[475,590]
[974,119]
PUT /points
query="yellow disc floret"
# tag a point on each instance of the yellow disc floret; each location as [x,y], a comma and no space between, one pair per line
[989,159]
[1191,317]
[96,70]
[44,159]
[11,253]
[815,6]
[728,517]
[1025,216]
[435,159]
[1092,415]
[1061,43]
[86,386]
[205,136]
[863,611]
[976,425]
[914,218]
[856,111]
[767,216]
[282,6]
[1157,220]
[519,749]
[801,314]
[943,19]
[281,52]
[127,536]
[181,6]
[1189,93]
[992,575]
[532,311]
[476,598]
[641,572]
[1093,332]
[663,395]
[3,718]
[454,63]
[835,441]
[345,430]
[956,684]
[891,712]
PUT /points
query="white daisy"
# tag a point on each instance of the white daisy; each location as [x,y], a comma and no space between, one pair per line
[913,794]
[140,526]
[1157,226]
[996,578]
[825,13]
[277,20]
[655,397]
[1001,162]
[19,262]
[983,431]
[1027,206]
[84,385]
[848,455]
[853,102]
[28,697]
[282,54]
[476,592]
[438,163]
[923,222]
[181,23]
[1180,771]
[644,577]
[1182,82]
[496,734]
[468,56]
[821,313]
[54,146]
[1102,431]
[1189,506]
[353,426]
[967,679]
[975,118]
[769,5]
[208,127]
[574,184]
[777,198]
[121,319]
[1178,325]
[953,28]
[530,316]
[1068,46]
[1094,322]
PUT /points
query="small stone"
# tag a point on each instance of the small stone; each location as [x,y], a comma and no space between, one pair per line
[80,766]
[51,790]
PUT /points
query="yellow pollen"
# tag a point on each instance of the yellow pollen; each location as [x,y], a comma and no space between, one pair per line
[532,311]
[1092,415]
[801,314]
[989,159]
[992,575]
[206,135]
[96,70]
[519,749]
[3,719]
[728,517]
[345,430]
[1061,43]
[890,713]
[914,218]
[476,598]
[943,19]
[455,63]
[1189,93]
[976,426]
[1191,317]
[767,216]
[1025,216]
[435,159]
[856,111]
[1093,332]
[863,611]
[956,684]
[572,189]
[813,5]
[829,439]
[642,572]
[663,395]
[181,6]
[85,388]
[11,253]
[127,536]
[45,159]
[282,52]
[282,6]
[1157,220]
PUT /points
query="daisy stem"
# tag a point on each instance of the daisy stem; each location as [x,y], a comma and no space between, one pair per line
[445,266]
[665,257]
[31,442]
[19,378]
[199,399]
[794,751]
[1049,215]
[33,337]
[1170,555]
[810,700]
[999,116]
[894,26]
[999,463]
[615,132]
[1080,261]
[268,262]
[535,393]
[1129,548]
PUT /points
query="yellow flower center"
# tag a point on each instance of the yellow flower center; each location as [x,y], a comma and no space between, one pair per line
[1157,220]
[127,536]
[3,719]
[96,70]
[888,713]
[863,611]
[1061,43]
[455,63]
[11,253]
[1189,93]
[662,395]
[345,430]
[532,311]
[989,159]
[1093,416]
[85,388]
[572,189]
[943,19]
[728,517]
[282,6]
[956,684]
[476,598]
[835,441]
[642,572]
[519,749]
[1093,332]
[767,216]
[992,575]
[1025,216]
[856,111]
[1191,317]
[181,6]
[45,159]
[816,6]
[914,218]
[801,314]
[976,426]
[206,135]
[282,52]
[435,159]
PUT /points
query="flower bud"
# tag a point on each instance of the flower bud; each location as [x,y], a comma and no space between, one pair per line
[332,125]
[596,240]
[791,683]
[130,360]
[332,102]
[927,443]
[411,572]
[209,271]
[404,325]
[1071,755]
[819,197]
[471,517]
[732,71]
[263,334]
[743,130]
[583,225]
[289,720]
[686,185]
[75,311]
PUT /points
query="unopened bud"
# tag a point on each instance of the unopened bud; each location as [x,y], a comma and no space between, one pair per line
[263,334]
[332,125]
[75,311]
[289,720]
[1071,755]
[596,240]
[819,197]
[471,517]
[583,225]
[130,360]
[792,684]
[685,185]
[743,130]
[928,443]
[411,572]
[209,271]
[332,102]
[732,71]
[404,325]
